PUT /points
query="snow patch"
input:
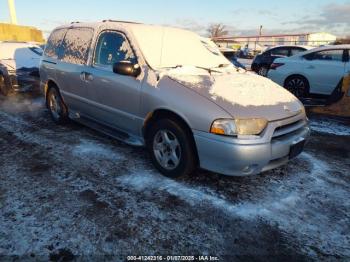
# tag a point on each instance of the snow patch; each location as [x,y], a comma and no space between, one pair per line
[331,127]
[197,196]
[87,148]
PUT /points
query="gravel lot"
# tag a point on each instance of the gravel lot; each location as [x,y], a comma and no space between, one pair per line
[69,191]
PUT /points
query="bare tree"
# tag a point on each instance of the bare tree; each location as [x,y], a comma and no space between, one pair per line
[217,30]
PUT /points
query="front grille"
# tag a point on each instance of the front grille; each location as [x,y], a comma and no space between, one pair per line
[288,128]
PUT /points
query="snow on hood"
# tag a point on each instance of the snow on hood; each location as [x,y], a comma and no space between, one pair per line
[240,93]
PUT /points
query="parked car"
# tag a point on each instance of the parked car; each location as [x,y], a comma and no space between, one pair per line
[19,66]
[230,54]
[187,104]
[318,71]
[262,62]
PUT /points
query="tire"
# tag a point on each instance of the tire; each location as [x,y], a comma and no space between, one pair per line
[171,148]
[58,110]
[298,86]
[263,70]
[5,86]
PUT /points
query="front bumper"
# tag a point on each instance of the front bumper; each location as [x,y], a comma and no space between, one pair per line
[236,157]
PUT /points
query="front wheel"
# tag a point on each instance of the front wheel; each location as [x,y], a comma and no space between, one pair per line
[171,148]
[57,108]
[298,86]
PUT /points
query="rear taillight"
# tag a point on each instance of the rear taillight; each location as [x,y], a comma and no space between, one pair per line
[274,66]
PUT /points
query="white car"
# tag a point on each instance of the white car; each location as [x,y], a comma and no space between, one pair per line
[317,71]
[19,66]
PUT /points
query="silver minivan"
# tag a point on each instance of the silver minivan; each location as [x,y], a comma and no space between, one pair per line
[167,89]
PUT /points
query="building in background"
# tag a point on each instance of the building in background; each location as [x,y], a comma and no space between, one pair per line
[17,33]
[309,39]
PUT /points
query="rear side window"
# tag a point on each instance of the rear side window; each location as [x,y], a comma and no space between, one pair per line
[279,52]
[328,55]
[54,42]
[76,45]
[113,47]
[295,51]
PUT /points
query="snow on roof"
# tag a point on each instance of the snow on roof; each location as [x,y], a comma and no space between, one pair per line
[163,46]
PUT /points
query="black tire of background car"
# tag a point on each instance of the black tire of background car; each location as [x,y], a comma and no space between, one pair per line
[63,115]
[5,85]
[263,70]
[187,163]
[298,86]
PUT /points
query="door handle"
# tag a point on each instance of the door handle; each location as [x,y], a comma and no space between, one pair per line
[86,77]
[311,67]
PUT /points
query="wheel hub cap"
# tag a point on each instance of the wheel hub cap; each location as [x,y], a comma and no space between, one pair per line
[54,105]
[167,150]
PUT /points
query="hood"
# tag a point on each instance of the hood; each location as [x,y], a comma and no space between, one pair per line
[240,93]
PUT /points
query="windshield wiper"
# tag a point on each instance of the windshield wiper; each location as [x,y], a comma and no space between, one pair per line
[210,70]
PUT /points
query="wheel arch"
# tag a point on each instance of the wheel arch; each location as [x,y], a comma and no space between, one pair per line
[49,84]
[162,113]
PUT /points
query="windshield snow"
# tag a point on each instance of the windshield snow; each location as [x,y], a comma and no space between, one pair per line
[165,47]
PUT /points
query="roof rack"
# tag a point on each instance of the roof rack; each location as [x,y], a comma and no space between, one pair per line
[77,22]
[119,21]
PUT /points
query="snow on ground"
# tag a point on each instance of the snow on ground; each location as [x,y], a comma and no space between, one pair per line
[68,191]
[330,126]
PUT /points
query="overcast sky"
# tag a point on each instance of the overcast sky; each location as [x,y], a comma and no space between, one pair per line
[241,17]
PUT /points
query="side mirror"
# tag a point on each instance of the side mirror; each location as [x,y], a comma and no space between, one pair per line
[127,68]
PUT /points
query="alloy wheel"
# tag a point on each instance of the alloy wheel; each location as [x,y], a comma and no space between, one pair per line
[54,104]
[167,149]
[296,86]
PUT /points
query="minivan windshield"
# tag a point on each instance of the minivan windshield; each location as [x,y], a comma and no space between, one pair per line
[165,47]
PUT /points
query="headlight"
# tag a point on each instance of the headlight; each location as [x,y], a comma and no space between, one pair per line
[234,127]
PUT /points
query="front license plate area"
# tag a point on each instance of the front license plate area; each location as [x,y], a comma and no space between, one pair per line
[296,149]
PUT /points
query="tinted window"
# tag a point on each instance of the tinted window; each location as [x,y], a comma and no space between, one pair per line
[328,55]
[295,51]
[55,39]
[76,45]
[113,47]
[279,52]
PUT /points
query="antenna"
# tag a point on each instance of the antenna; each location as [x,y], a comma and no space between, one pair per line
[12,9]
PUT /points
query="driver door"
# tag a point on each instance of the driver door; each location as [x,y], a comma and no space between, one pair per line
[116,97]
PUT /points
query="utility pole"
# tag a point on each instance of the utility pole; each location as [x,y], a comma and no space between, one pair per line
[12,9]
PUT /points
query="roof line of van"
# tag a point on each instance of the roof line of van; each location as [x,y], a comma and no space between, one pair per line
[120,21]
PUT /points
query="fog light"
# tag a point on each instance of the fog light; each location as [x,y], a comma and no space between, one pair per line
[249,169]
